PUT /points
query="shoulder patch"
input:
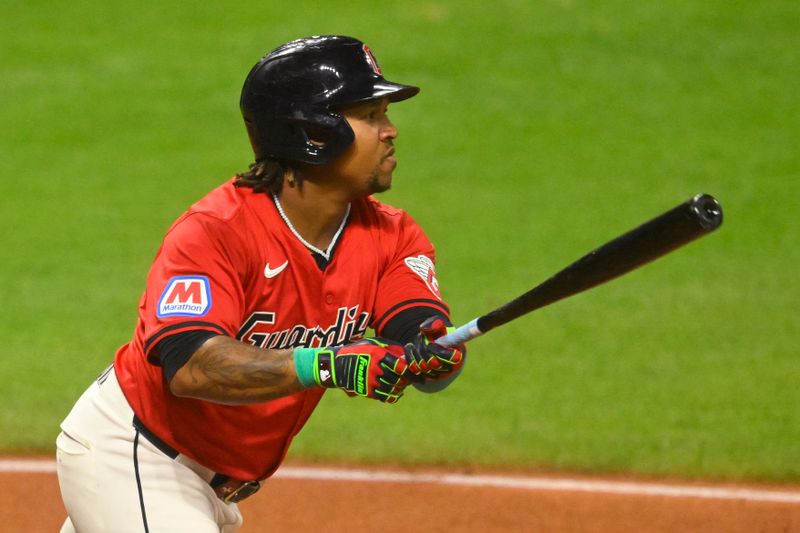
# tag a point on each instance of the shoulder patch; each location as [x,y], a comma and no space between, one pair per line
[422,266]
[185,296]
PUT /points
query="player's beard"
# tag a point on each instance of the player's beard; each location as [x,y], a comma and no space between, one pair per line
[377,185]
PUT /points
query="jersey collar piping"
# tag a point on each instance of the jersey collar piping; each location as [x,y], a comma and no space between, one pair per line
[324,253]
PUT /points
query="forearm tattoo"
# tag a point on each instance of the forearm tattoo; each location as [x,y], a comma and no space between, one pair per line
[225,370]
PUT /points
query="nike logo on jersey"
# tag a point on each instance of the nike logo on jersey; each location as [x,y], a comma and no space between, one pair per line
[272,272]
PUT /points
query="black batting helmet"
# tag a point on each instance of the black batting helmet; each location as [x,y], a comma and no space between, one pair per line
[292,99]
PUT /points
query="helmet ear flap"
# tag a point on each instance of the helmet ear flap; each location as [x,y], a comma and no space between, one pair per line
[327,135]
[304,136]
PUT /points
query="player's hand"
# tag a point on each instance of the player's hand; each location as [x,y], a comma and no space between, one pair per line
[371,367]
[430,361]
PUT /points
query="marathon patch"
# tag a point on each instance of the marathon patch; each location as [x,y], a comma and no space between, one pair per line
[423,267]
[185,296]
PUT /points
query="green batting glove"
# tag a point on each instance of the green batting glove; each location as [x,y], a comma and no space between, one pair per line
[373,368]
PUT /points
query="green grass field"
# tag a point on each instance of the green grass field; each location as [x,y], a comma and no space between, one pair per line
[543,130]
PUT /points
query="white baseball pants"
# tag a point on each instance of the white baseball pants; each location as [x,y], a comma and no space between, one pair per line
[113,479]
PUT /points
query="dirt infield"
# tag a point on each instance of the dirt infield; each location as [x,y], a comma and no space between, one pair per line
[30,502]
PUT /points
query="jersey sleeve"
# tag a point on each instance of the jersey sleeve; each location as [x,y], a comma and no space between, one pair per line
[195,282]
[409,280]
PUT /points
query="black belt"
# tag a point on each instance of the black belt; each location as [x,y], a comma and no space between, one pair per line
[227,489]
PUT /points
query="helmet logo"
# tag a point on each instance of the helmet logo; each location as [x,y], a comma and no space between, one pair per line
[372,61]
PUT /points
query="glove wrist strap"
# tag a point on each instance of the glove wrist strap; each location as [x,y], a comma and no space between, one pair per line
[324,368]
[313,367]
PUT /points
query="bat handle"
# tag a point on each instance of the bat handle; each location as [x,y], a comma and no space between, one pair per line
[461,334]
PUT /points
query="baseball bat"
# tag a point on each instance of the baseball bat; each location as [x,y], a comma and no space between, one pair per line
[690,220]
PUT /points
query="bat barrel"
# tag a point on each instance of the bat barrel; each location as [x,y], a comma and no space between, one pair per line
[707,210]
[688,221]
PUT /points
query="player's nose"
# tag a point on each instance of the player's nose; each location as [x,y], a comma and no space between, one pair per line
[388,130]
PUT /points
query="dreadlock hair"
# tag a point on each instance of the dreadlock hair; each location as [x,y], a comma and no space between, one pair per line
[265,175]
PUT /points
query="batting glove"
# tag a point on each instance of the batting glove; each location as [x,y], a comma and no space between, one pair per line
[373,368]
[430,361]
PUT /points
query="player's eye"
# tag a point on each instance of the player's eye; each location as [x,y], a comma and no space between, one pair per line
[370,112]
[377,114]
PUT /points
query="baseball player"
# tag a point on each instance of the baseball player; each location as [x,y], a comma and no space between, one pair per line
[258,301]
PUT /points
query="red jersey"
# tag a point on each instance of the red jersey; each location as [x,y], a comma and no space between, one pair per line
[231,265]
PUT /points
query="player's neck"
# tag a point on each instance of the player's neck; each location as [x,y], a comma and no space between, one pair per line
[315,215]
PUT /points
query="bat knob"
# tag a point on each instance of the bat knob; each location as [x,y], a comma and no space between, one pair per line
[707,210]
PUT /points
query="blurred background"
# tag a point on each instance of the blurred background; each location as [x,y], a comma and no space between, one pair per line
[543,130]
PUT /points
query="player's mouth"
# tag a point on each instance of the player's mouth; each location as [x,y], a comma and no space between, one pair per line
[390,159]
